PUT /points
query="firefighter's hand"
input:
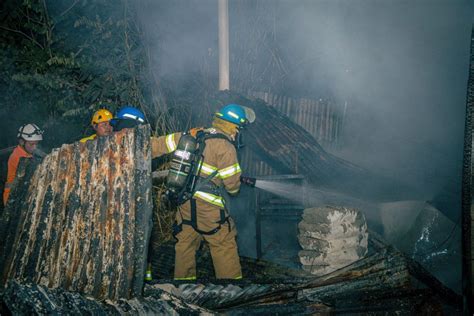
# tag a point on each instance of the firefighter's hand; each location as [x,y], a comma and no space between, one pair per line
[248,181]
[193,131]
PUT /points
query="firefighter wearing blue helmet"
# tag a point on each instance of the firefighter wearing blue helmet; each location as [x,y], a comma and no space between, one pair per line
[127,117]
[204,215]
[236,114]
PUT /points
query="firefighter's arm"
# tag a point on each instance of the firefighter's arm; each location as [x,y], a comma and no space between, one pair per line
[229,170]
[164,144]
[13,162]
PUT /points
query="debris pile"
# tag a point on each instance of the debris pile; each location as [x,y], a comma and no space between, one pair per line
[28,299]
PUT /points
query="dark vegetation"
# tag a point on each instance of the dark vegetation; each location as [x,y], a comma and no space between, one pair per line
[62,60]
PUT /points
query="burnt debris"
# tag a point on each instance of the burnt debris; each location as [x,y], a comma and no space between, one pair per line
[81,218]
[385,281]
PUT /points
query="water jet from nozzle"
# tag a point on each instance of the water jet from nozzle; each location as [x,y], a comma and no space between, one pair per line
[306,194]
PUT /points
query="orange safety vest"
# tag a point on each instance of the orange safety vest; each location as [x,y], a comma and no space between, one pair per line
[13,161]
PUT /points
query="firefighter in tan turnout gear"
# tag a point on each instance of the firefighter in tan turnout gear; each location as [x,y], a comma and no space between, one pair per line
[203,213]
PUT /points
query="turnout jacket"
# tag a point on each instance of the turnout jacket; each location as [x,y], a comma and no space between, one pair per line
[18,153]
[219,155]
[205,215]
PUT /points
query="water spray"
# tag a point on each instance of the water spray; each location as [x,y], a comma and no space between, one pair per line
[303,193]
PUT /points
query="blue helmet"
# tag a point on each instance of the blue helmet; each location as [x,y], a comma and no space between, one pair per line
[236,114]
[129,112]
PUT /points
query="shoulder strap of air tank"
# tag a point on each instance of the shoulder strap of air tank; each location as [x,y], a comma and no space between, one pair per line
[205,135]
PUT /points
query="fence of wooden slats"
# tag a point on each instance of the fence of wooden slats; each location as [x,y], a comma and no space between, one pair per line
[322,118]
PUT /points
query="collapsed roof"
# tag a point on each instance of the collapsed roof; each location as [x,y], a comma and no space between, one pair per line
[384,281]
[289,148]
[75,233]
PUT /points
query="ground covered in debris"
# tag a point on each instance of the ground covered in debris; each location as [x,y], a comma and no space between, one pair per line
[384,281]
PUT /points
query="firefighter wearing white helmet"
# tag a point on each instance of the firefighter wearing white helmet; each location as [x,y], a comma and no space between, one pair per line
[29,135]
[203,213]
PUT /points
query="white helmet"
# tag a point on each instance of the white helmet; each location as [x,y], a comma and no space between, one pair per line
[30,132]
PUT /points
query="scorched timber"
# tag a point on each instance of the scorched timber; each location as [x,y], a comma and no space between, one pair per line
[80,219]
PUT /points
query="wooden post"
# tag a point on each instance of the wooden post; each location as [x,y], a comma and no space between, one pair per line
[223,8]
[258,227]
[467,207]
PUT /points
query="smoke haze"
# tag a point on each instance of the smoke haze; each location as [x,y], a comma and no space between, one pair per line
[400,66]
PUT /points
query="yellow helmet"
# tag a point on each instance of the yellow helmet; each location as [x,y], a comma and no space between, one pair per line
[101,115]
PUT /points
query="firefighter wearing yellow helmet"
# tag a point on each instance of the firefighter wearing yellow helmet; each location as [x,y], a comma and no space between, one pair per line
[203,213]
[101,124]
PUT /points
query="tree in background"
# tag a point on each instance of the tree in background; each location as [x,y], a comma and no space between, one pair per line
[62,60]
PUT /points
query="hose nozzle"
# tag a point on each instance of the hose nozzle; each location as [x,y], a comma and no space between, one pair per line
[248,181]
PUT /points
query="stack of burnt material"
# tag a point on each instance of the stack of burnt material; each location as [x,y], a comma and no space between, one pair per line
[331,238]
[80,219]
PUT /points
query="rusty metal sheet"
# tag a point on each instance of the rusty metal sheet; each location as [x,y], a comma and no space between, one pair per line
[81,218]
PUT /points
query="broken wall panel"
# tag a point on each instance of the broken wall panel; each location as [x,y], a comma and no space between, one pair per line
[81,220]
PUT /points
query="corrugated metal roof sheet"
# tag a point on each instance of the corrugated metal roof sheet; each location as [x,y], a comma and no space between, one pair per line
[81,220]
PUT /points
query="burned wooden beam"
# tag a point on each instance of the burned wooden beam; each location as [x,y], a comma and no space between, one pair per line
[80,219]
[33,299]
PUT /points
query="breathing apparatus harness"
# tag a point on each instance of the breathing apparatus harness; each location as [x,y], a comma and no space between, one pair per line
[186,163]
[183,178]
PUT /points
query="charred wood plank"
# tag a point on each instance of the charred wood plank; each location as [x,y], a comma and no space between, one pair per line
[81,219]
[33,299]
[385,275]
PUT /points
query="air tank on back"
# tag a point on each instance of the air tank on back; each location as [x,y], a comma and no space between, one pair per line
[181,164]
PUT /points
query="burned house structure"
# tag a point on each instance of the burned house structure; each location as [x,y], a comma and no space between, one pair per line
[75,235]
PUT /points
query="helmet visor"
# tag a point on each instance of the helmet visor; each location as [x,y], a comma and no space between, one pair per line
[250,114]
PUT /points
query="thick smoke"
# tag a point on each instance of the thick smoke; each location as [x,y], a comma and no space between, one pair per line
[402,68]
[182,35]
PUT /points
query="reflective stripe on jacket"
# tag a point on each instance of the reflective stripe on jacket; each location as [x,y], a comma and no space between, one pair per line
[219,155]
[85,139]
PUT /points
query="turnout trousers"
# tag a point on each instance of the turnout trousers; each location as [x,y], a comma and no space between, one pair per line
[222,245]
